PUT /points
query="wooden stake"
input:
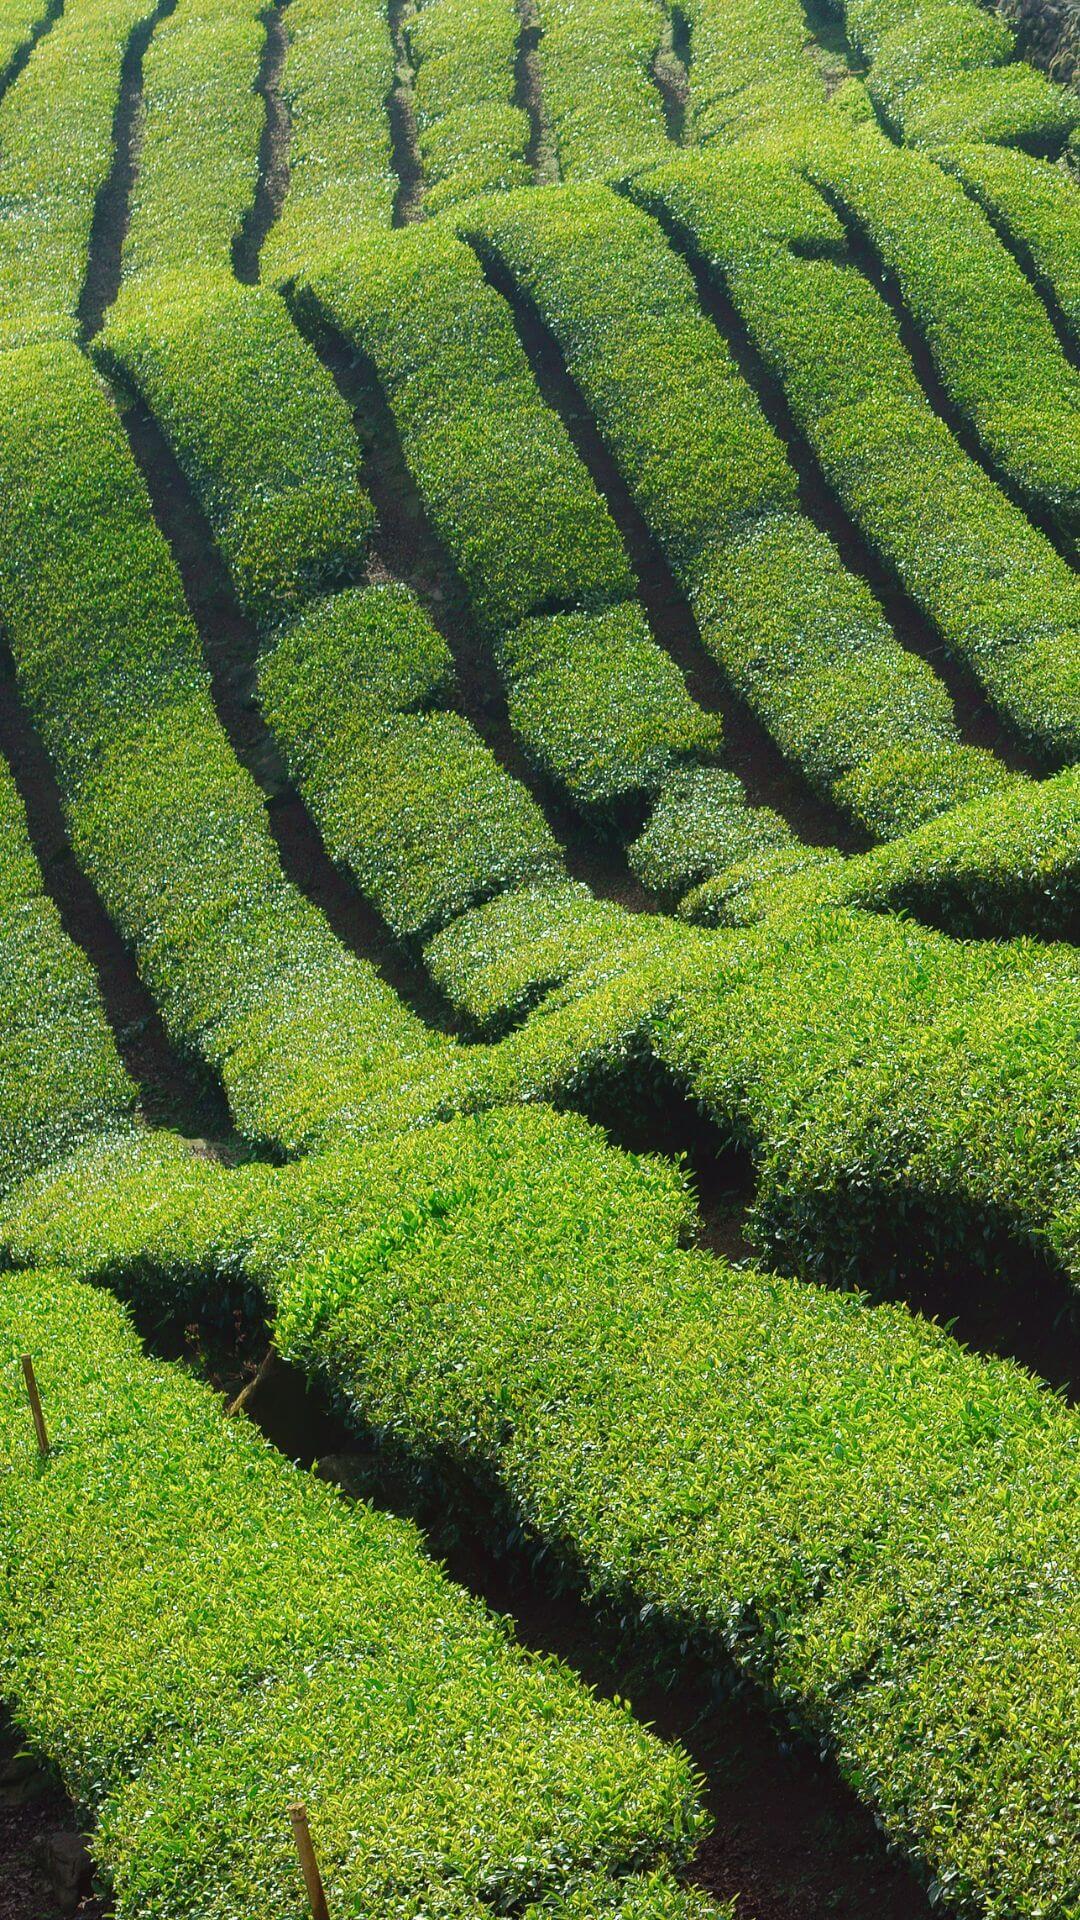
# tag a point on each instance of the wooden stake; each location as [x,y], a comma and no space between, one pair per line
[35,1403]
[308,1863]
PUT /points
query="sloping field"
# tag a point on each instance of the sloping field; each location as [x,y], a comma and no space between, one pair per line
[539,898]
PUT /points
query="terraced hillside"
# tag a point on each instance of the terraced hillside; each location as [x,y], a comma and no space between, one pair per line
[540,886]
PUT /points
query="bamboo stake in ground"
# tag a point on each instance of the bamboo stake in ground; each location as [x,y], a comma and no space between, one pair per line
[308,1863]
[35,1403]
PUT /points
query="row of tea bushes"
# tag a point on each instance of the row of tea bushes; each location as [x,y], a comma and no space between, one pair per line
[800,638]
[201,123]
[601,102]
[408,797]
[505,1294]
[1005,865]
[56,136]
[171,830]
[999,595]
[257,427]
[473,135]
[1033,205]
[943,70]
[752,78]
[21,23]
[269,1643]
[339,68]
[60,1075]
[987,331]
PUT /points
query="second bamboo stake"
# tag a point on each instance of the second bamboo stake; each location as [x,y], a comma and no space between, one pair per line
[308,1864]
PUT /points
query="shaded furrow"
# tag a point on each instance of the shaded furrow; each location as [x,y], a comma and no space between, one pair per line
[273,151]
[113,209]
[22,52]
[404,135]
[230,649]
[540,155]
[407,548]
[749,750]
[671,72]
[977,723]
[174,1090]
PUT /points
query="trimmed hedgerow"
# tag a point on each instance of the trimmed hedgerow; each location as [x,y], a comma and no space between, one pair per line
[1007,864]
[339,68]
[986,329]
[939,72]
[258,428]
[473,135]
[56,136]
[413,804]
[201,122]
[306,1037]
[190,1693]
[496,961]
[700,825]
[803,640]
[19,21]
[1000,596]
[600,708]
[523,522]
[752,74]
[601,102]
[60,1074]
[1035,206]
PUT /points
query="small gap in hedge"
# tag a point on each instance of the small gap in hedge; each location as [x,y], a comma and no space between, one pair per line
[273,180]
[230,648]
[540,154]
[407,548]
[747,748]
[865,259]
[174,1091]
[401,110]
[789,1837]
[112,210]
[671,74]
[977,723]
[46,20]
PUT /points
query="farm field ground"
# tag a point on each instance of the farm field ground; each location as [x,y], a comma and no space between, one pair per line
[539,998]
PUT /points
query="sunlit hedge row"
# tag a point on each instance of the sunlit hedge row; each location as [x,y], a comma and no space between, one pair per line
[945,70]
[256,425]
[801,639]
[268,1642]
[838,1496]
[1002,600]
[988,332]
[339,66]
[751,72]
[170,829]
[56,137]
[1034,205]
[61,1079]
[518,514]
[19,20]
[473,135]
[602,104]
[201,123]
[408,798]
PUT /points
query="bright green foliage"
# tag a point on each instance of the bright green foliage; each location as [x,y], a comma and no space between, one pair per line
[56,127]
[986,328]
[1000,865]
[802,639]
[599,707]
[602,104]
[1001,598]
[174,834]
[751,75]
[509,497]
[700,825]
[338,71]
[472,134]
[1036,207]
[413,804]
[201,122]
[258,428]
[267,1643]
[61,1080]
[19,20]
[497,961]
[938,73]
